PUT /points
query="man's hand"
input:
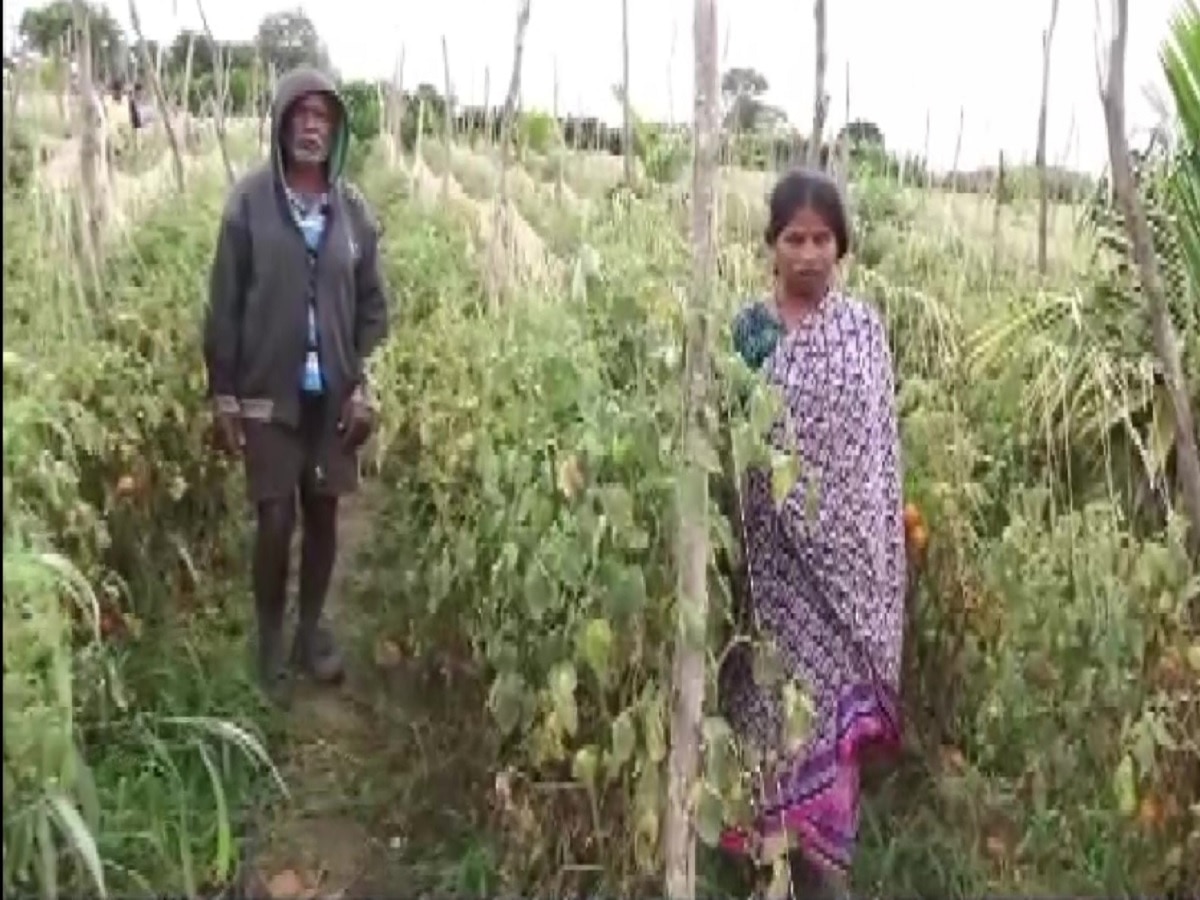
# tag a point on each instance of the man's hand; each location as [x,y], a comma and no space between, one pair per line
[358,419]
[230,437]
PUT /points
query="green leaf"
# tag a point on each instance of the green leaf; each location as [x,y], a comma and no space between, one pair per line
[1193,657]
[617,504]
[719,756]
[765,406]
[563,682]
[767,665]
[780,880]
[1181,65]
[647,799]
[47,855]
[223,861]
[539,591]
[79,838]
[812,496]
[595,646]
[584,765]
[624,739]
[505,701]
[1125,786]
[693,626]
[85,789]
[710,815]
[645,842]
[716,731]
[785,472]
[653,732]
[635,538]
[626,594]
[798,715]
[703,454]
[749,448]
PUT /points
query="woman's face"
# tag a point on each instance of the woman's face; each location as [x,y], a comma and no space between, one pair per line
[805,255]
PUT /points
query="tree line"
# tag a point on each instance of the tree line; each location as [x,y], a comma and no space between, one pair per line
[756,134]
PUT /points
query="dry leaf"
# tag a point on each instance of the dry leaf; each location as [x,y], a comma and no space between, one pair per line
[953,760]
[126,486]
[1150,813]
[996,848]
[504,790]
[1193,656]
[287,885]
[387,653]
[1170,808]
[774,847]
[570,477]
[780,885]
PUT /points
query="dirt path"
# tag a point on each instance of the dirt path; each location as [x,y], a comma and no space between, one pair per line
[379,773]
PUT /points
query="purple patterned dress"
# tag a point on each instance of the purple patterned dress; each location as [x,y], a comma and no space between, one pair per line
[826,572]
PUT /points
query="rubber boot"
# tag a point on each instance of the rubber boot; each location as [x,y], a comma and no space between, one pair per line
[273,675]
[315,653]
[314,650]
[270,599]
[270,656]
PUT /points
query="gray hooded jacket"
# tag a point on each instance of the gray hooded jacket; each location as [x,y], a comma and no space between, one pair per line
[255,332]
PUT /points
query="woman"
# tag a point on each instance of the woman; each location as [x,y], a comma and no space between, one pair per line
[826,567]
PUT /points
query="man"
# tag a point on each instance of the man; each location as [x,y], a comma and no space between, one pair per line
[141,110]
[297,304]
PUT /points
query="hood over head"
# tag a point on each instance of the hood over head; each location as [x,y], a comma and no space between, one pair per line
[291,87]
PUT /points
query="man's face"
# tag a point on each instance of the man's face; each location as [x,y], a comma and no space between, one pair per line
[310,126]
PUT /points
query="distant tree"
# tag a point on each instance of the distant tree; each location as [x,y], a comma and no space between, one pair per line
[742,90]
[241,54]
[45,28]
[290,39]
[426,93]
[862,133]
[362,105]
[740,81]
[238,56]
[537,130]
[362,108]
[202,53]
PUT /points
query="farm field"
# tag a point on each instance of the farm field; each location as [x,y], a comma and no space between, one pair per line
[506,586]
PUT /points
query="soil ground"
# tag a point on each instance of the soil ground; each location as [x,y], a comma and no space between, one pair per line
[383,799]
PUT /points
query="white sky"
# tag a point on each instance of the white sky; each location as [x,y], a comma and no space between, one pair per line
[907,59]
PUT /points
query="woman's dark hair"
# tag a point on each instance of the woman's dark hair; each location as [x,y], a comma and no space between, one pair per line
[808,189]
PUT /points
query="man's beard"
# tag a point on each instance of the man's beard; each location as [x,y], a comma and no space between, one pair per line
[309,151]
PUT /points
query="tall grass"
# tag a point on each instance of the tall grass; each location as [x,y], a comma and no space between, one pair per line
[133,740]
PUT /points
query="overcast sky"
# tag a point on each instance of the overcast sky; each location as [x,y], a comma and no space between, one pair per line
[908,59]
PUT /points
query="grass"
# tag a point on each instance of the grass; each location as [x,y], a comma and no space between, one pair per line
[133,739]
